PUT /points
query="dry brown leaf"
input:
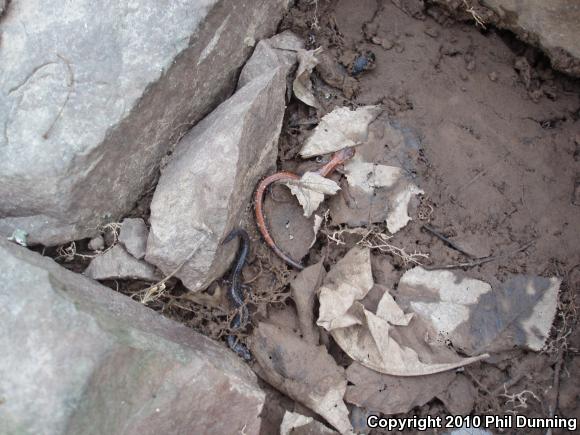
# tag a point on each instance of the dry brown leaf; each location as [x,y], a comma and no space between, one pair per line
[369,177]
[298,424]
[304,289]
[475,317]
[315,228]
[284,317]
[389,341]
[310,190]
[349,280]
[305,372]
[339,129]
[393,394]
[302,85]
[459,397]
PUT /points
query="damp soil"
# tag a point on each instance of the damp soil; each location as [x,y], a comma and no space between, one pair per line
[493,141]
[496,149]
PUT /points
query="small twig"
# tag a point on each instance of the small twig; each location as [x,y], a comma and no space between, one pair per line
[70,252]
[258,274]
[506,385]
[481,261]
[445,240]
[160,285]
[554,402]
[477,18]
[519,400]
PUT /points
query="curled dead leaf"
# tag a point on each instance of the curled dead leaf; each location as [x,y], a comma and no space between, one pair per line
[303,371]
[388,341]
[310,190]
[370,178]
[294,423]
[304,289]
[302,85]
[340,129]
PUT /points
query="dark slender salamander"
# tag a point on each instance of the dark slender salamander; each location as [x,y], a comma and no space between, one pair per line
[235,292]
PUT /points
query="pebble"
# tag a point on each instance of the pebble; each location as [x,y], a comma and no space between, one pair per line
[433,33]
[97,243]
[116,263]
[133,236]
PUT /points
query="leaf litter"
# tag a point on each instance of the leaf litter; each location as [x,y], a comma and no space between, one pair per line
[404,352]
[388,341]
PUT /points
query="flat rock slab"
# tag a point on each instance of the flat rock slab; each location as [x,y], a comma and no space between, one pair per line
[80,358]
[116,263]
[133,236]
[205,188]
[93,95]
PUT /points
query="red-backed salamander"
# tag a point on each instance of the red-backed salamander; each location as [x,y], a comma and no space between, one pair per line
[235,292]
[338,158]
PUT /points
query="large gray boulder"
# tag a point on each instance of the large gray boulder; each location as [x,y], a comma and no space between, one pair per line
[552,25]
[94,94]
[206,187]
[79,358]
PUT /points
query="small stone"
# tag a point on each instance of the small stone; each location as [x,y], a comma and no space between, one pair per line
[432,32]
[387,44]
[116,263]
[493,76]
[133,236]
[97,243]
[536,95]
[19,236]
[399,49]
[110,236]
[363,62]
[470,66]
[463,76]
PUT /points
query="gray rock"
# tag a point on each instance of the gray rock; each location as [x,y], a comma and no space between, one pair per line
[279,50]
[81,358]
[116,263]
[92,95]
[133,236]
[209,182]
[550,25]
[97,243]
